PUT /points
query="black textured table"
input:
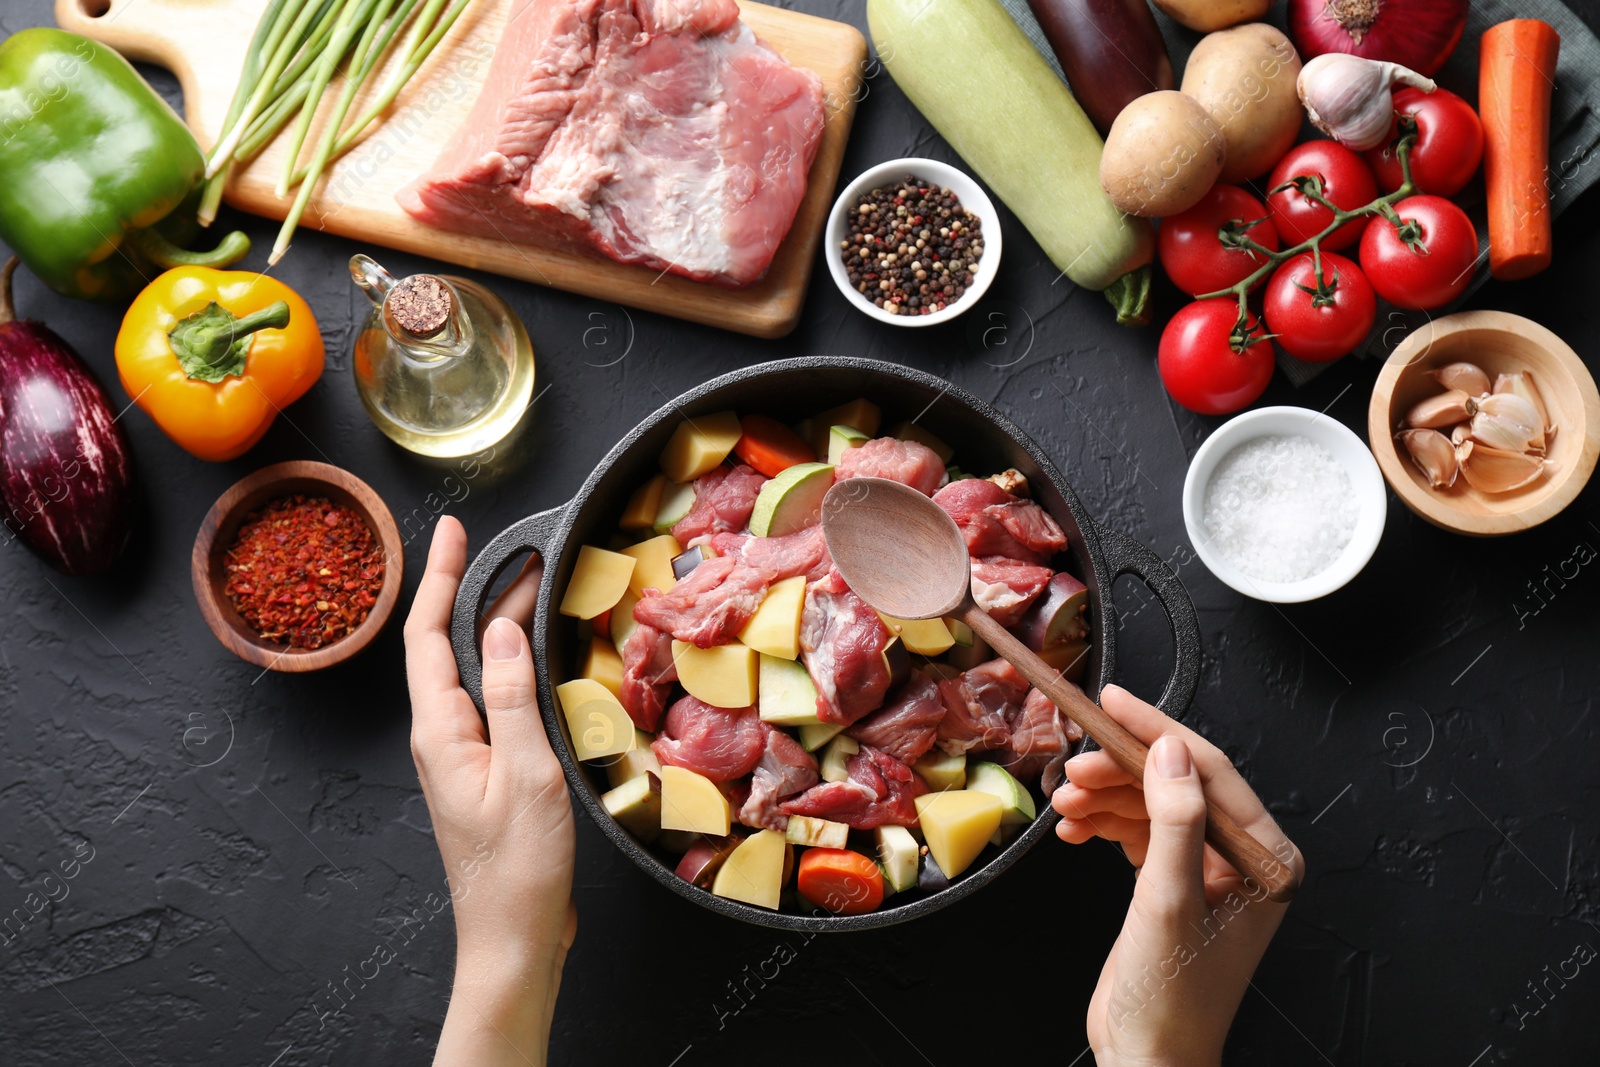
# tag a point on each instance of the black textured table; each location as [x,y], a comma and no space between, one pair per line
[1427,735]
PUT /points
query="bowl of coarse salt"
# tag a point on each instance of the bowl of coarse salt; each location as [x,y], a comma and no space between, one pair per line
[1284,504]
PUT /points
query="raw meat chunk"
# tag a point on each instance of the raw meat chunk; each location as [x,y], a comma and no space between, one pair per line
[880,790]
[1003,587]
[802,552]
[906,726]
[719,743]
[711,605]
[995,523]
[723,500]
[648,672]
[907,462]
[980,706]
[1041,739]
[841,643]
[658,132]
[784,770]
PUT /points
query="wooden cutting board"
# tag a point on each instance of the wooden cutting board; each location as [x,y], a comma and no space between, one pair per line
[203,42]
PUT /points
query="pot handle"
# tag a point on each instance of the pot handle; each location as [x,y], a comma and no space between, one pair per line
[536,532]
[1127,556]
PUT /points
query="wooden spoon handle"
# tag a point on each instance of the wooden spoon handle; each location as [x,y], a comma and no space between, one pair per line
[1248,856]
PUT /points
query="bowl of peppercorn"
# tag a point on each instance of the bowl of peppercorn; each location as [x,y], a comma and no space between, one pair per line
[297,567]
[913,242]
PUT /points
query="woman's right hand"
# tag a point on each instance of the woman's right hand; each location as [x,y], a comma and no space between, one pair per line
[1195,929]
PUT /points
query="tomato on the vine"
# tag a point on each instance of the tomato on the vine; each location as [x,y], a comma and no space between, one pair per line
[1345,182]
[1427,261]
[1199,365]
[1448,149]
[1319,319]
[1194,256]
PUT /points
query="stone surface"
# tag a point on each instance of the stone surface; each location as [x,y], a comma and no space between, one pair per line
[237,841]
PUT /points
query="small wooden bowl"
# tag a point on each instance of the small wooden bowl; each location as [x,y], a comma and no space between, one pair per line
[1500,343]
[221,525]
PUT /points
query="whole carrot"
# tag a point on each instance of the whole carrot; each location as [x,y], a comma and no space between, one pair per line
[1516,72]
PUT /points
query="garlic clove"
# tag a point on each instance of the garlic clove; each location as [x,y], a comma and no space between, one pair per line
[1437,412]
[1433,454]
[1521,384]
[1508,421]
[1494,470]
[1460,432]
[1467,377]
[1350,99]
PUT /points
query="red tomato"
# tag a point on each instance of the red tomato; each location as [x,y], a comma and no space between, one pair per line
[1319,322]
[1437,270]
[1195,258]
[1199,366]
[1346,183]
[1448,149]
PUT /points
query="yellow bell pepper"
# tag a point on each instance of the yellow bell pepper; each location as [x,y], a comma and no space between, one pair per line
[213,356]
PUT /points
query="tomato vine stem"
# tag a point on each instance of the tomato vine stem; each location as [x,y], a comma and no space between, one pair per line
[1235,235]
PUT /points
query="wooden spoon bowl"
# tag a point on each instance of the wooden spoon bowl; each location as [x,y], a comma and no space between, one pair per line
[218,529]
[1500,343]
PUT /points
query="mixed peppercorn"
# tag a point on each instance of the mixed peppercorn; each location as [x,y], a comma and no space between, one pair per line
[912,248]
[304,571]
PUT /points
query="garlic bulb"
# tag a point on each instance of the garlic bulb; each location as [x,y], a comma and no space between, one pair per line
[1349,98]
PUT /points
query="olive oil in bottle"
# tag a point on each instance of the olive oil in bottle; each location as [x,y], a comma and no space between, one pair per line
[443,366]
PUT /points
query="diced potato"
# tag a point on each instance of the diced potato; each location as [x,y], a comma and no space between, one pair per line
[699,444]
[775,627]
[941,771]
[929,637]
[957,824]
[654,567]
[598,581]
[603,664]
[863,414]
[636,804]
[622,623]
[595,719]
[692,802]
[816,833]
[754,872]
[785,693]
[634,762]
[724,676]
[910,431]
[640,514]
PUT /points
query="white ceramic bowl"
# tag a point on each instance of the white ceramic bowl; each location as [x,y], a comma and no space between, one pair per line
[972,197]
[1366,482]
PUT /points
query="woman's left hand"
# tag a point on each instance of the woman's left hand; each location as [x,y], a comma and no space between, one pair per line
[500,815]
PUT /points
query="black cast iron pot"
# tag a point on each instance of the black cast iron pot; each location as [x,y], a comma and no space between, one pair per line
[984,440]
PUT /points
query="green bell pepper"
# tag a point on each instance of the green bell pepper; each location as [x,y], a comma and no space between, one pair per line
[98,177]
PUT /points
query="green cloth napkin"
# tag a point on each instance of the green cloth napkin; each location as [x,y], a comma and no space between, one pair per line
[1574,134]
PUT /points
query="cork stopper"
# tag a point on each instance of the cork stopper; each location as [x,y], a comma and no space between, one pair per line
[420,305]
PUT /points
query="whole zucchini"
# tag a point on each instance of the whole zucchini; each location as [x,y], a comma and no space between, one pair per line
[970,71]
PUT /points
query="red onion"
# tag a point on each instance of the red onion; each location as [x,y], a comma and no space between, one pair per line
[1419,34]
[66,481]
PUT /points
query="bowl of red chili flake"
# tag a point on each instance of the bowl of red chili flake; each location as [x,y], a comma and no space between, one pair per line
[298,566]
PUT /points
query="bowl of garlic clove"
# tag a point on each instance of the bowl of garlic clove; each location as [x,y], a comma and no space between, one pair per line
[1485,423]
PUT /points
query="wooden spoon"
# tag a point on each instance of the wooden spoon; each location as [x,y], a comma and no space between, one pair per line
[902,554]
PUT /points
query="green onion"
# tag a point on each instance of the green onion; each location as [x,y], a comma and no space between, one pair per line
[297,48]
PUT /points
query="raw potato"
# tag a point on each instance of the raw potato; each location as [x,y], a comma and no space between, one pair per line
[723,676]
[1208,15]
[598,725]
[1162,155]
[1246,78]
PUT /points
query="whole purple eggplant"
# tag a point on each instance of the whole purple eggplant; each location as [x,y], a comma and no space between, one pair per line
[1110,50]
[66,478]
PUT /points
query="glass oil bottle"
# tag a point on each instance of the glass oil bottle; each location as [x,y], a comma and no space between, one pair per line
[443,365]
